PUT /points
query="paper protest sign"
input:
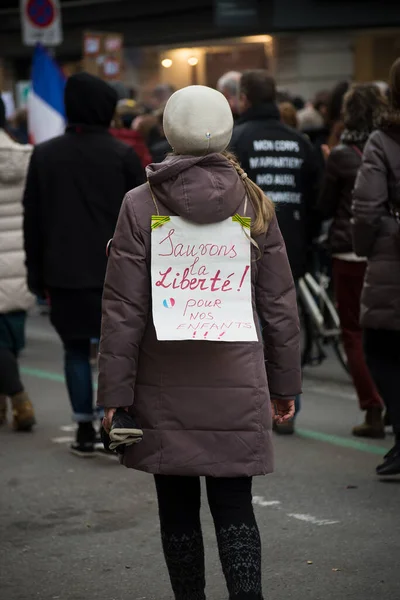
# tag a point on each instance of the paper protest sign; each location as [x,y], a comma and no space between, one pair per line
[201,280]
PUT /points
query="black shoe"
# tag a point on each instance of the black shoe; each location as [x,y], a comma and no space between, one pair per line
[391,463]
[84,445]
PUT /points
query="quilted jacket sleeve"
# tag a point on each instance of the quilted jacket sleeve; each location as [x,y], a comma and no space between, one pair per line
[370,196]
[277,310]
[126,305]
[33,234]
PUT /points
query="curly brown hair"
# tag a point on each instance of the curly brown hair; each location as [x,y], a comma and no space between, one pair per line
[362,107]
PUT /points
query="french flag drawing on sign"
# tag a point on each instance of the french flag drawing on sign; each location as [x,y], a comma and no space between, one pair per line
[46,113]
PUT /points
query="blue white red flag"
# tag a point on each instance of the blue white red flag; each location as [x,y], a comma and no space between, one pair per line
[46,113]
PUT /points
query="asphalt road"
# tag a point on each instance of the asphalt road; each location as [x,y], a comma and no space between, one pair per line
[73,529]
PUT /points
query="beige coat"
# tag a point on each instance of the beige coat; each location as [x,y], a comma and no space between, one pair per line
[14,160]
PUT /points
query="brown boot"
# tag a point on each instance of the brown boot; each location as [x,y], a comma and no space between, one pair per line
[373,426]
[24,416]
[3,409]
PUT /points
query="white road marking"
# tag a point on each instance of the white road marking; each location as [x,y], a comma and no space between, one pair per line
[68,428]
[259,501]
[311,519]
[63,439]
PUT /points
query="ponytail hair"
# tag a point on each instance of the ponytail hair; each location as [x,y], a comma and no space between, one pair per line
[263,206]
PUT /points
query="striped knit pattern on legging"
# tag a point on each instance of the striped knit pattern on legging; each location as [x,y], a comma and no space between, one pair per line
[184,555]
[238,537]
[240,554]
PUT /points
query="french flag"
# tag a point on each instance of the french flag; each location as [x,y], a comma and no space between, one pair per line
[46,113]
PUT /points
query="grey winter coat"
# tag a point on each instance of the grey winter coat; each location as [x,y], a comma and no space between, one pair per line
[204,407]
[376,231]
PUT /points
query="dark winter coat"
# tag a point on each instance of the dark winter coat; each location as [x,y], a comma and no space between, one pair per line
[376,231]
[336,195]
[74,190]
[204,407]
[282,162]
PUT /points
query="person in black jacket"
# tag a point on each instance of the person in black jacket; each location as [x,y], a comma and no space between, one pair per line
[279,160]
[282,162]
[74,191]
[363,105]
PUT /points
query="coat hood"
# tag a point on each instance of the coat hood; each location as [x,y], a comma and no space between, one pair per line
[14,159]
[201,189]
[89,101]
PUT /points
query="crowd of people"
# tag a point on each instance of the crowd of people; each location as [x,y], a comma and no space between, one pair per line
[204,155]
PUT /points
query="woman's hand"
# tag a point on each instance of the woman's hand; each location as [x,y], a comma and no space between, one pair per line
[108,417]
[282,410]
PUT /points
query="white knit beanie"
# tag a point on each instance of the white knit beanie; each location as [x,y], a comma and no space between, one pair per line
[198,120]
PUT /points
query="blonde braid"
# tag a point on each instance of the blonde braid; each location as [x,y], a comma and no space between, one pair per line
[262,205]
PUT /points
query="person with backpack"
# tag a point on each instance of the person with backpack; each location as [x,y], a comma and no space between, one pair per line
[363,105]
[73,195]
[204,405]
[376,213]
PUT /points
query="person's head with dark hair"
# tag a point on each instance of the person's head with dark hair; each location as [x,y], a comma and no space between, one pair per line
[298,102]
[394,85]
[2,114]
[321,102]
[282,96]
[257,87]
[335,106]
[362,107]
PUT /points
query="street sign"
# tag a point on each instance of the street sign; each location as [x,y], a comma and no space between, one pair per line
[41,22]
[103,54]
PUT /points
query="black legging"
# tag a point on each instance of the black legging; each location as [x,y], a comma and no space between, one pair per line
[10,381]
[382,353]
[238,538]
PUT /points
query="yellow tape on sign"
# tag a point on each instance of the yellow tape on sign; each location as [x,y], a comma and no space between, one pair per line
[158,221]
[244,221]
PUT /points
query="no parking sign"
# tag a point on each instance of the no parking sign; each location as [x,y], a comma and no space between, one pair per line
[41,22]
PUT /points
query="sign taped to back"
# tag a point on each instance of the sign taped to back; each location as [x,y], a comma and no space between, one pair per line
[201,280]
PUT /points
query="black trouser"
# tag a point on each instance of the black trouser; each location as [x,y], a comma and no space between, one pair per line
[238,538]
[10,381]
[382,352]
